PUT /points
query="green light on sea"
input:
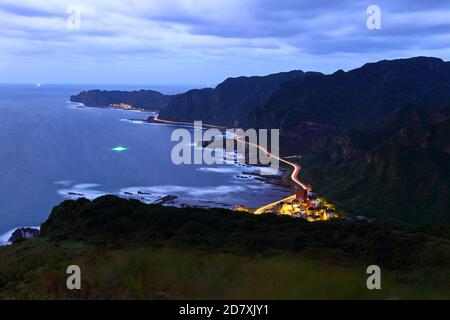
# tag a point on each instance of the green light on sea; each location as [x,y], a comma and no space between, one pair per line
[119,149]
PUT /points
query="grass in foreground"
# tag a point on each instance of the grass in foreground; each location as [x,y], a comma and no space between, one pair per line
[167,273]
[127,249]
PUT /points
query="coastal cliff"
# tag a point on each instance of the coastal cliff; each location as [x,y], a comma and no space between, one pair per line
[373,139]
[230,103]
[142,99]
[398,170]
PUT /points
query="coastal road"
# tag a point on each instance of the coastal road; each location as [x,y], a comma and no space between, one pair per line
[294,174]
[184,123]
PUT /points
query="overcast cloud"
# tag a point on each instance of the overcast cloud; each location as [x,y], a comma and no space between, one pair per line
[204,41]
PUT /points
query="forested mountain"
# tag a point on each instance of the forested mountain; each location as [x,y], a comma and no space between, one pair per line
[228,104]
[145,99]
[398,170]
[374,139]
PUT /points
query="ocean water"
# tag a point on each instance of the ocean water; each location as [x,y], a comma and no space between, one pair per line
[52,150]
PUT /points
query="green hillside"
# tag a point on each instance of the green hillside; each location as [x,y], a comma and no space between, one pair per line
[127,249]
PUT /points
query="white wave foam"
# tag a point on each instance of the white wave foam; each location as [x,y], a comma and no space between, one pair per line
[88,194]
[133,121]
[76,105]
[236,168]
[219,169]
[81,190]
[85,185]
[65,183]
[162,190]
[5,237]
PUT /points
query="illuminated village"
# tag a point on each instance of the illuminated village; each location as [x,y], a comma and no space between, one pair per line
[303,204]
[124,106]
[307,205]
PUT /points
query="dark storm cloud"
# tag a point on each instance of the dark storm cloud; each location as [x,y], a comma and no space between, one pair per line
[313,26]
[26,11]
[316,27]
[234,36]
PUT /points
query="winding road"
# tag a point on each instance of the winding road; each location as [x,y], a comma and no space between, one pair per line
[294,174]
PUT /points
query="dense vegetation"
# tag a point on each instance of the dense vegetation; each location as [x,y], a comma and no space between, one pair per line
[374,139]
[123,248]
[230,103]
[400,170]
[359,98]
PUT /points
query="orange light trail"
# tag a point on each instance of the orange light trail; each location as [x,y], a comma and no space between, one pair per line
[295,166]
[294,178]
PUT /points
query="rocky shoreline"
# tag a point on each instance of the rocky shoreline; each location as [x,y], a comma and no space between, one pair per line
[18,235]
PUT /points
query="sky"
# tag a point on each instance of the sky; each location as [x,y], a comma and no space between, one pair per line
[205,41]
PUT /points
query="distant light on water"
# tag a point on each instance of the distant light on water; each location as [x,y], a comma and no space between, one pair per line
[119,149]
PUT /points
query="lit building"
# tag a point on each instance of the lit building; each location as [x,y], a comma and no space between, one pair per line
[242,208]
[300,194]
